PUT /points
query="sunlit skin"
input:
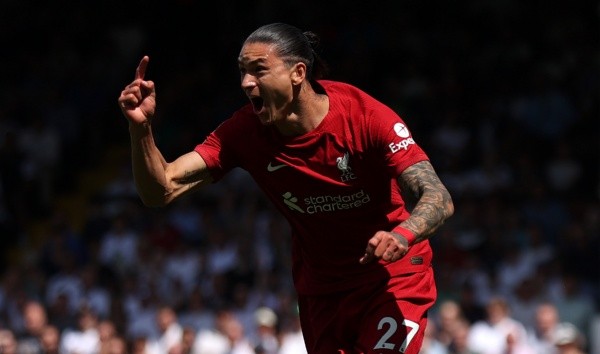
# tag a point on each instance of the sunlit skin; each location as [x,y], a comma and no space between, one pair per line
[288,99]
[265,75]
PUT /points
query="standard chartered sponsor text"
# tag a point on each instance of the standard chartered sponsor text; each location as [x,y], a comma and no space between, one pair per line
[328,203]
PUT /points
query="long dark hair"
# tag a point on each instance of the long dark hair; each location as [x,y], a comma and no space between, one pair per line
[292,45]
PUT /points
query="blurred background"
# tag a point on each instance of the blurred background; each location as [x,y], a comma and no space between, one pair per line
[502,94]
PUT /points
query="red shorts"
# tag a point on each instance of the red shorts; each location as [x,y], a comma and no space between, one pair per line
[386,318]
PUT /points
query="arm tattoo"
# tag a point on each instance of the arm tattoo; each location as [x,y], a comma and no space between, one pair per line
[400,239]
[190,179]
[434,203]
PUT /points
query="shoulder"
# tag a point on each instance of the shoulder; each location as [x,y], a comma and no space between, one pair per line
[338,88]
[351,97]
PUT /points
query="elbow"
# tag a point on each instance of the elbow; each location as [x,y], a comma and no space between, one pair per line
[153,195]
[156,199]
[449,206]
[449,210]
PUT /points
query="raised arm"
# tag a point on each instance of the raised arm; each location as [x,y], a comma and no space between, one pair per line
[158,182]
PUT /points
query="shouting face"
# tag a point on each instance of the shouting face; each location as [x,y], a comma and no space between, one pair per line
[269,81]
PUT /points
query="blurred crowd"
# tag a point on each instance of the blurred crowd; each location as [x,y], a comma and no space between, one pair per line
[503,95]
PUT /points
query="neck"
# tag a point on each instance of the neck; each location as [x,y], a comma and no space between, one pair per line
[309,110]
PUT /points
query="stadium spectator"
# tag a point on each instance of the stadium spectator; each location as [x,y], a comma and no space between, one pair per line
[171,332]
[568,339]
[50,340]
[490,336]
[84,338]
[35,319]
[540,335]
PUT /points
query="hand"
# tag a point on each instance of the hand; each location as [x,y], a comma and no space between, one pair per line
[138,99]
[388,246]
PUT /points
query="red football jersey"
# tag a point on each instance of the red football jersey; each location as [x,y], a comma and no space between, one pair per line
[336,185]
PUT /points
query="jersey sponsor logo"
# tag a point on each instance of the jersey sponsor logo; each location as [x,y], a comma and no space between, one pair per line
[402,131]
[291,201]
[327,203]
[271,167]
[401,145]
[343,164]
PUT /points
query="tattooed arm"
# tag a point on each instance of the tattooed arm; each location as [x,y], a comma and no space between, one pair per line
[432,207]
[433,202]
[159,182]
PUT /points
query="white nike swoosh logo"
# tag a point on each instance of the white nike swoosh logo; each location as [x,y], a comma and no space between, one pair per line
[272,168]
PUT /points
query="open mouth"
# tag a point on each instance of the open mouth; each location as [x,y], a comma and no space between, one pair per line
[257,103]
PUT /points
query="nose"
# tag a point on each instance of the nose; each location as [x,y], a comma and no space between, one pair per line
[248,82]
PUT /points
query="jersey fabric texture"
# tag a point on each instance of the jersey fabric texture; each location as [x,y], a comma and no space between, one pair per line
[336,185]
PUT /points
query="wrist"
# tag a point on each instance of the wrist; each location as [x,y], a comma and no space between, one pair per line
[139,129]
[406,233]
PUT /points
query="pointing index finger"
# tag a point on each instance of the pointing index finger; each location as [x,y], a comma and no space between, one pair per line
[141,69]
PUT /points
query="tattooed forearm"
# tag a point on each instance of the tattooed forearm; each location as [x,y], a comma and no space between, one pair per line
[434,204]
[189,177]
[187,181]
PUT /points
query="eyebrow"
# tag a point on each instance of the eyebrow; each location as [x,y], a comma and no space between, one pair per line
[253,61]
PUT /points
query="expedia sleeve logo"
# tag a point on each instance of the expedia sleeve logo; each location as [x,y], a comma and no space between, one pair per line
[402,131]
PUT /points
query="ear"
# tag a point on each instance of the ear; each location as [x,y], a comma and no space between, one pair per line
[298,73]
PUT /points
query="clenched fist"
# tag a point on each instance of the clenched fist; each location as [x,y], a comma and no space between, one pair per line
[389,246]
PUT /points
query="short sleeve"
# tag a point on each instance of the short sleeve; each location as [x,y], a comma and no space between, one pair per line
[390,134]
[219,148]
